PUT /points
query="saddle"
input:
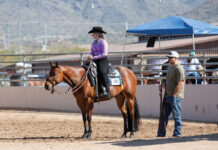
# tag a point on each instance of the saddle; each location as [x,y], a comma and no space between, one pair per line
[114,76]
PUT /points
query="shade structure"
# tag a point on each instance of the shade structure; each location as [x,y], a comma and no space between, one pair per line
[174,25]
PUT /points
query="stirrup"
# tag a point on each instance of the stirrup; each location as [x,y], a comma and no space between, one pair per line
[96,100]
[105,95]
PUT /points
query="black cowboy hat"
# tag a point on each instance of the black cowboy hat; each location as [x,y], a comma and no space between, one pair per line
[97,30]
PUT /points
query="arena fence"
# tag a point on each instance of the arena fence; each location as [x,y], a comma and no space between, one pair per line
[21,69]
[199,104]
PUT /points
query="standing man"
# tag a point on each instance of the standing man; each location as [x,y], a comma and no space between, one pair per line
[174,93]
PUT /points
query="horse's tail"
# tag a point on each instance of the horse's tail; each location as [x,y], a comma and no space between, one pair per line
[137,117]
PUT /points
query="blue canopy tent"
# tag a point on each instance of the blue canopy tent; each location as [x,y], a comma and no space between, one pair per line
[174,25]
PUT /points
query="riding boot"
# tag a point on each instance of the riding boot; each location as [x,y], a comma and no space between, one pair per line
[108,91]
[105,93]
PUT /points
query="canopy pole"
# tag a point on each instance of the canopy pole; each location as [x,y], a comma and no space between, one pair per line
[159,43]
[159,60]
[193,41]
[124,45]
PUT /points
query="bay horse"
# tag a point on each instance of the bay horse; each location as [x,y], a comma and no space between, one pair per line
[85,95]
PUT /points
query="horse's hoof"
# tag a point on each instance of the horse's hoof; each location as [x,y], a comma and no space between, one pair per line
[131,136]
[88,136]
[123,136]
[84,136]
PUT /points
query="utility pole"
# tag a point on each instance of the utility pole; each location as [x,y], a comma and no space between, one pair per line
[92,5]
[45,37]
[8,36]
[92,16]
[20,37]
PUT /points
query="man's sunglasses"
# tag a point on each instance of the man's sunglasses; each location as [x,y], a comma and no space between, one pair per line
[170,57]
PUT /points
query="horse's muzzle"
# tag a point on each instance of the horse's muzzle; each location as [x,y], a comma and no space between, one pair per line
[48,86]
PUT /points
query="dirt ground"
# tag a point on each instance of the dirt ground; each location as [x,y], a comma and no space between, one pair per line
[37,130]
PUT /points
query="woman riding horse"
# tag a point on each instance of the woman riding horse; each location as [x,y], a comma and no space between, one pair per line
[99,52]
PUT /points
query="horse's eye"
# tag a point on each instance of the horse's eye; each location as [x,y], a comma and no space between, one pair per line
[52,73]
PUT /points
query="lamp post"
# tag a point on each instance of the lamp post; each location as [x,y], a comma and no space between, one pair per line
[45,36]
[159,9]
[92,11]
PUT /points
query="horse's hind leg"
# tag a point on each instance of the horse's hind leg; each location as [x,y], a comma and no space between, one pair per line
[120,103]
[131,103]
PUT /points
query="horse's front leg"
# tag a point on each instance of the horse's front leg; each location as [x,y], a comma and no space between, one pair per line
[84,122]
[89,118]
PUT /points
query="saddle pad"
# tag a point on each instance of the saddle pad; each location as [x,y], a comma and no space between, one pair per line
[116,79]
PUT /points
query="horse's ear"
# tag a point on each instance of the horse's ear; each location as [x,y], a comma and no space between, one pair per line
[51,64]
[56,64]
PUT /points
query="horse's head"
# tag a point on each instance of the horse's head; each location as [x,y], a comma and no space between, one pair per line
[55,77]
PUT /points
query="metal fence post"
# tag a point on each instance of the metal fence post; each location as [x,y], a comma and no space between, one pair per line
[204,68]
[23,75]
[196,80]
[141,69]
[81,59]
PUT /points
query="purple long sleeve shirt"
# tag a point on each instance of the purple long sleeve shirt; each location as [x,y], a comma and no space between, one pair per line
[99,49]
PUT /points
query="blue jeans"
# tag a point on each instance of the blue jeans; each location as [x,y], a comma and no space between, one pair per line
[172,104]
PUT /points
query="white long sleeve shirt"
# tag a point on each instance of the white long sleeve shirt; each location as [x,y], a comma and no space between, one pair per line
[193,67]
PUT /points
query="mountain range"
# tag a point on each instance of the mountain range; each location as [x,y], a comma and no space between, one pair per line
[103,11]
[73,18]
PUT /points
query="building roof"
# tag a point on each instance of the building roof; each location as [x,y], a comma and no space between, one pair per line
[137,47]
[164,45]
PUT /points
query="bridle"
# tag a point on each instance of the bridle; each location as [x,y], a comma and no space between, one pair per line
[74,88]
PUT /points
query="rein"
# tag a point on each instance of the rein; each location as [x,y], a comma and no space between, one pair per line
[77,86]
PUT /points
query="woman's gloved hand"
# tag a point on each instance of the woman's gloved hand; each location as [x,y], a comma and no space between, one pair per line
[90,57]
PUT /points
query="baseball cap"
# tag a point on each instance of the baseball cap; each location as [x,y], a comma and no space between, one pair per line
[173,54]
